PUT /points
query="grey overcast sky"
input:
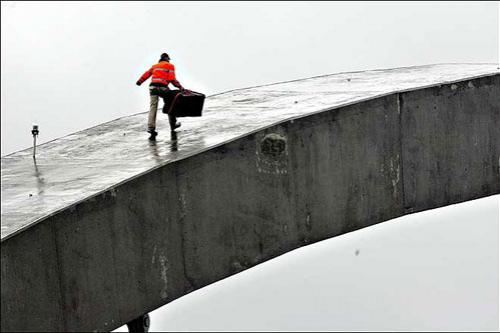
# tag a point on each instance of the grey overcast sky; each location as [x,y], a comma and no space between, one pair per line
[70,65]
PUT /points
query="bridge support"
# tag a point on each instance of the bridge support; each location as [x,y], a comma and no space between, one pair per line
[139,324]
[159,224]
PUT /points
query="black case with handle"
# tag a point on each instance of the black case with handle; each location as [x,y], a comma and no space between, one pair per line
[183,103]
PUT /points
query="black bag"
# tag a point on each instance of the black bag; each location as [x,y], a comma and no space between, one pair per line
[183,103]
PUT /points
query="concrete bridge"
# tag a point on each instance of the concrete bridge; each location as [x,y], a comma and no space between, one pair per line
[105,226]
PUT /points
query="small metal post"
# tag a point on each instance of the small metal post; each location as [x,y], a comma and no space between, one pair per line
[35,132]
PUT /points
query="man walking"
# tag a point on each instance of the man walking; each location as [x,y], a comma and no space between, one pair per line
[162,74]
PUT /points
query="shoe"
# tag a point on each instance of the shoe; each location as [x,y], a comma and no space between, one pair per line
[153,134]
[177,125]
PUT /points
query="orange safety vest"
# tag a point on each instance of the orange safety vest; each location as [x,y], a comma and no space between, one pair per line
[162,72]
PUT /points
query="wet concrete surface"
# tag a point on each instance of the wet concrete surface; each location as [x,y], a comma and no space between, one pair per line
[78,166]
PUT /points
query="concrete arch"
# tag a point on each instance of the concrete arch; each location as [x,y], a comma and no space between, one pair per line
[182,225]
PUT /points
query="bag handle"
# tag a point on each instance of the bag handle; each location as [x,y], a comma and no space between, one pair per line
[173,102]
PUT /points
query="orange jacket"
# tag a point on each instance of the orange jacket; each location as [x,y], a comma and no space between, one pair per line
[163,73]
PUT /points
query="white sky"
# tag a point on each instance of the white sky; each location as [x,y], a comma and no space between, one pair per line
[71,65]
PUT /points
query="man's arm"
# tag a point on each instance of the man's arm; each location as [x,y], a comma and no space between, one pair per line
[177,84]
[144,77]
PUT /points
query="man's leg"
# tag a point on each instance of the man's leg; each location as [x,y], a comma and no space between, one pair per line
[167,100]
[173,122]
[153,107]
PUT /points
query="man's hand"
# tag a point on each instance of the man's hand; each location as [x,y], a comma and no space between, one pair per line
[138,83]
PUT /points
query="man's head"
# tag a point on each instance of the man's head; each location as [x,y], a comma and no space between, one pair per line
[164,57]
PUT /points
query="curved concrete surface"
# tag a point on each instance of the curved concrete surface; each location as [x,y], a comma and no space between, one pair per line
[107,226]
[78,166]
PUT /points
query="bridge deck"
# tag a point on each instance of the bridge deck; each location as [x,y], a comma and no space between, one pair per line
[78,166]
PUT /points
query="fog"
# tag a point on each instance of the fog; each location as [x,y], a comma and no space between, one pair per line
[67,66]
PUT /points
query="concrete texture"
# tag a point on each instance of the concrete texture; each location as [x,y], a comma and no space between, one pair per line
[203,211]
[78,166]
[455,156]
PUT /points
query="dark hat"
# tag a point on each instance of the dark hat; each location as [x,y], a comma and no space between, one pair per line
[164,56]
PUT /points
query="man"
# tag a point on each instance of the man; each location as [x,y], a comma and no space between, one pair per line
[162,74]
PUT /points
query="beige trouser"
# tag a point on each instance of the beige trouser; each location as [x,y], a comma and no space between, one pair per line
[155,93]
[153,107]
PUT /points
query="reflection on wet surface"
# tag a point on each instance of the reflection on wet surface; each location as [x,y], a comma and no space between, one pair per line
[154,150]
[72,168]
[173,141]
[40,183]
